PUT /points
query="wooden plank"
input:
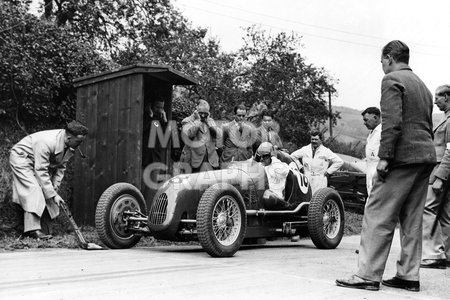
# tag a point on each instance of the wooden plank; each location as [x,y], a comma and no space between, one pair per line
[80,164]
[85,211]
[89,211]
[135,134]
[123,154]
[168,109]
[101,174]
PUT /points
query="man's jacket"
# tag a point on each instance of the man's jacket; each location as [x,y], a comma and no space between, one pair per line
[406,116]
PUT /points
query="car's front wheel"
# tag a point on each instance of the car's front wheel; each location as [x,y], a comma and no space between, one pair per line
[110,220]
[326,218]
[221,220]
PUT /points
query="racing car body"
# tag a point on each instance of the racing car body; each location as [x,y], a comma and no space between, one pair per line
[220,209]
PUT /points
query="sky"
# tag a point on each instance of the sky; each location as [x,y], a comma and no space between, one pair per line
[343,36]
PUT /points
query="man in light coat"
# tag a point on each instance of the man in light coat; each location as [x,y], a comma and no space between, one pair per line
[436,247]
[407,157]
[38,163]
[201,137]
[372,120]
[318,161]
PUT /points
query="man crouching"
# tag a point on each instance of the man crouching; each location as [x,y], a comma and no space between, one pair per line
[38,163]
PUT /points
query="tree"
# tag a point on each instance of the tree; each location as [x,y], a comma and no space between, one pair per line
[38,63]
[271,70]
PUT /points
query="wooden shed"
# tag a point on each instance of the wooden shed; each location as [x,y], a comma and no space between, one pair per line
[111,104]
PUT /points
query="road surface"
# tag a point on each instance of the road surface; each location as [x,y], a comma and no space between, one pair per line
[276,270]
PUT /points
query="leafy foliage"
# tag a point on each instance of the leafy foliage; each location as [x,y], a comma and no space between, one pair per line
[38,63]
[272,71]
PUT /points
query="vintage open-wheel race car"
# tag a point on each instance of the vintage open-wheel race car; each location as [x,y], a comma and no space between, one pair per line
[220,209]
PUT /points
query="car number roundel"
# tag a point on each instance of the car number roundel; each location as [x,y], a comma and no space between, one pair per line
[303,182]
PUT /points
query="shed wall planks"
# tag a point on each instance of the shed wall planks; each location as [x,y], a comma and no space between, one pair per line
[112,110]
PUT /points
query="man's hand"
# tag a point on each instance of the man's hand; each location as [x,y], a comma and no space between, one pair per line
[438,185]
[196,115]
[58,200]
[163,116]
[209,122]
[382,169]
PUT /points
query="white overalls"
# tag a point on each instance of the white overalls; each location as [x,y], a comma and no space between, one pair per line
[324,161]
[372,159]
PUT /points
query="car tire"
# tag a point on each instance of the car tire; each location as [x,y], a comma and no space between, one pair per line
[221,220]
[109,223]
[326,218]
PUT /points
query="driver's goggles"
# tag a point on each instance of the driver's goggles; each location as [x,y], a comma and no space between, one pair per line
[259,158]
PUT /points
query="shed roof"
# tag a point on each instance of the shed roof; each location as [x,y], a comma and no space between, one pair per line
[161,72]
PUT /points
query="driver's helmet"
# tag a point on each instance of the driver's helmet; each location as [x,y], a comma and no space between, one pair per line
[264,149]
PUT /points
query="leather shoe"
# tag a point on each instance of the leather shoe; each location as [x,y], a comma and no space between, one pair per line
[356,282]
[433,263]
[409,285]
[37,234]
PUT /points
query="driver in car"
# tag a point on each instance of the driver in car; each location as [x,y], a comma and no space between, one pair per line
[276,171]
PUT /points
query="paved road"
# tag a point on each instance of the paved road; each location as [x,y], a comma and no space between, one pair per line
[277,270]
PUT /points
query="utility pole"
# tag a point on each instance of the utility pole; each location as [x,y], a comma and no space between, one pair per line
[331,113]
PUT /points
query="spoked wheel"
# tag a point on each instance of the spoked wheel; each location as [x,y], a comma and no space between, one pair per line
[110,220]
[226,220]
[221,220]
[326,218]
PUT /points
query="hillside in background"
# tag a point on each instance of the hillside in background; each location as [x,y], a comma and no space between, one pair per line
[350,127]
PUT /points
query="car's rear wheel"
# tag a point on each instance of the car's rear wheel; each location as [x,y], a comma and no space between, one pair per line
[326,218]
[110,221]
[221,220]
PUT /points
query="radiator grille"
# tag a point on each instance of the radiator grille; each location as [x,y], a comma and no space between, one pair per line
[158,212]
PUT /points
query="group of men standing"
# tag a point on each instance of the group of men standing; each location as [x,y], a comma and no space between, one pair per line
[238,140]
[400,187]
[210,146]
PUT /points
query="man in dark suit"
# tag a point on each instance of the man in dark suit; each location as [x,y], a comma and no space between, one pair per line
[268,131]
[436,247]
[407,157]
[155,119]
[238,137]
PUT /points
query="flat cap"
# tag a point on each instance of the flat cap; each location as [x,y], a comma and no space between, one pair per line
[443,89]
[203,106]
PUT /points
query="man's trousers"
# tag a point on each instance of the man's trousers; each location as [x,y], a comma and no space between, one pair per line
[400,198]
[438,245]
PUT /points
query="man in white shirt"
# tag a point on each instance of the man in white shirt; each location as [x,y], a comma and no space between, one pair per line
[318,161]
[276,172]
[372,120]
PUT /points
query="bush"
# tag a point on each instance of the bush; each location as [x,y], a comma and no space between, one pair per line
[352,149]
